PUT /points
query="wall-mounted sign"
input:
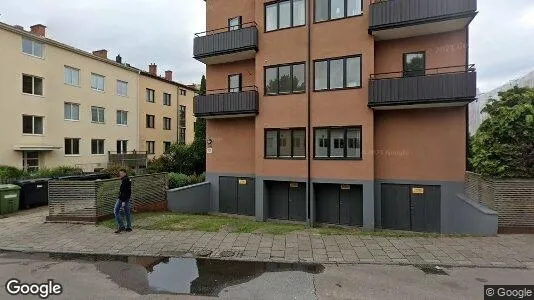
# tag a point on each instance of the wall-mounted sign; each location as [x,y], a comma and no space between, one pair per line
[418,190]
[242,181]
[209,150]
[345,186]
[294,185]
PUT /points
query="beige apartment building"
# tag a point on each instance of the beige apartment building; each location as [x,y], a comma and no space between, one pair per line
[165,112]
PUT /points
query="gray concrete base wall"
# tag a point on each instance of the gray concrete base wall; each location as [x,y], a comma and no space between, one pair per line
[471,217]
[190,199]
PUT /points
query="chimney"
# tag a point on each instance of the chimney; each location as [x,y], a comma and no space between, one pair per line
[153,69]
[38,29]
[118,59]
[168,75]
[19,27]
[101,53]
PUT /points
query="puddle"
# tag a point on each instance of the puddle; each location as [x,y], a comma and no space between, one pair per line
[435,270]
[179,275]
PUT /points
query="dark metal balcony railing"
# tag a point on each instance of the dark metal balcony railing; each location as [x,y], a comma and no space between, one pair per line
[225,41]
[434,85]
[226,102]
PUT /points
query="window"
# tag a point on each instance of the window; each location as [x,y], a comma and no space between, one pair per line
[285,79]
[234,83]
[167,146]
[336,9]
[32,125]
[97,82]
[181,137]
[72,76]
[32,47]
[338,73]
[30,161]
[166,123]
[97,114]
[338,143]
[122,146]
[285,143]
[234,23]
[150,121]
[71,111]
[414,64]
[72,146]
[285,14]
[166,99]
[150,95]
[122,117]
[122,88]
[183,92]
[182,115]
[32,85]
[97,146]
[150,145]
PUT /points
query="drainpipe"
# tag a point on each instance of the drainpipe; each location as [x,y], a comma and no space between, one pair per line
[310,137]
[467,106]
[138,112]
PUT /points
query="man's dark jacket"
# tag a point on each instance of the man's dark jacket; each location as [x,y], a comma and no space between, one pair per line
[126,189]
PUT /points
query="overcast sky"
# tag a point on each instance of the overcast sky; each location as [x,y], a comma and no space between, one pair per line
[161,31]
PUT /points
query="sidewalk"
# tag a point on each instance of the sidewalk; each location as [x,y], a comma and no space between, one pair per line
[28,232]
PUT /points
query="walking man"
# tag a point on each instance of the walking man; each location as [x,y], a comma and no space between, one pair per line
[124,202]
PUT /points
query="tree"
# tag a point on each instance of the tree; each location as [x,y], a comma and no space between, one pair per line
[199,143]
[504,144]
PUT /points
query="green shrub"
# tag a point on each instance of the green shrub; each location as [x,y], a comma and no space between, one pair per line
[177,180]
[7,172]
[113,170]
[56,172]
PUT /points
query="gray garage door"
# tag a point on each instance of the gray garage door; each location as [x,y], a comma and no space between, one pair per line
[236,195]
[286,200]
[339,204]
[411,207]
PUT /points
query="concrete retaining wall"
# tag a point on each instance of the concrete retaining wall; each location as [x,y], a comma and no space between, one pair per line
[190,199]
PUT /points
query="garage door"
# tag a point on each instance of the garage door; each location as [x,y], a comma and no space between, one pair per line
[236,195]
[286,200]
[411,207]
[339,204]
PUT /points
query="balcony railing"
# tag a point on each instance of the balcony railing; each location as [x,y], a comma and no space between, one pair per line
[445,86]
[394,19]
[225,103]
[227,44]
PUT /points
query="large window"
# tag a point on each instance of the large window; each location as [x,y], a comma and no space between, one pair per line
[414,64]
[150,96]
[336,9]
[32,125]
[32,85]
[122,146]
[32,47]
[97,115]
[234,83]
[150,147]
[285,143]
[166,99]
[72,146]
[166,123]
[122,117]
[71,111]
[285,79]
[285,14]
[122,88]
[338,73]
[150,121]
[97,146]
[72,76]
[338,143]
[97,82]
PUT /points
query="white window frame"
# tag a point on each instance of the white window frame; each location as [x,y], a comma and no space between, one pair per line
[150,95]
[98,110]
[121,117]
[34,42]
[123,146]
[33,85]
[33,125]
[95,86]
[71,106]
[72,146]
[120,86]
[69,71]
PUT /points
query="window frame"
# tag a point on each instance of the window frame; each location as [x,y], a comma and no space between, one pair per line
[344,73]
[181,135]
[96,75]
[71,105]
[150,144]
[123,146]
[33,47]
[183,92]
[72,69]
[122,114]
[239,25]
[292,157]
[291,15]
[328,151]
[33,85]
[240,87]
[150,117]
[291,65]
[33,125]
[165,120]
[346,16]
[148,93]
[165,97]
[98,108]
[165,148]
[182,115]
[404,63]
[103,141]
[126,84]
[72,146]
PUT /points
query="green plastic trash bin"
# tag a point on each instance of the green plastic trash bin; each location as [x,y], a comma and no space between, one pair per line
[9,198]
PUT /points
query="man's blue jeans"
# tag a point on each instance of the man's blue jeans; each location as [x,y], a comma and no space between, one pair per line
[118,216]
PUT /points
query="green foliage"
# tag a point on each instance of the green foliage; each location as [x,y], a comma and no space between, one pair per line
[177,180]
[8,173]
[113,170]
[503,146]
[202,89]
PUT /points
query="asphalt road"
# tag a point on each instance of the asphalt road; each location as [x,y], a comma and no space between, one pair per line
[122,280]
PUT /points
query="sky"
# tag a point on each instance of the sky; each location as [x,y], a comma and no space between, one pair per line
[162,31]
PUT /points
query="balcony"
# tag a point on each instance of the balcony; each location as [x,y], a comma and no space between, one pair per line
[226,44]
[225,104]
[438,87]
[397,19]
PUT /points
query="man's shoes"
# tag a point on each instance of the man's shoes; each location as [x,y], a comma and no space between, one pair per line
[120,230]
[128,229]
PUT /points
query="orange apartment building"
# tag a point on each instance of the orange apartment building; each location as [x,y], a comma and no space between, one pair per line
[350,112]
